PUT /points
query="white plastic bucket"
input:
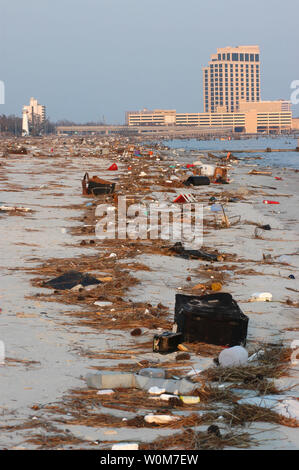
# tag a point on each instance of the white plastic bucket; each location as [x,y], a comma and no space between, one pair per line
[207,170]
[235,356]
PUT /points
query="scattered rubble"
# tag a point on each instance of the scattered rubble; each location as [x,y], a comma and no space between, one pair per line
[174,368]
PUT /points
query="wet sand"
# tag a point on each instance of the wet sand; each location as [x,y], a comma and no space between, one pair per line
[53,340]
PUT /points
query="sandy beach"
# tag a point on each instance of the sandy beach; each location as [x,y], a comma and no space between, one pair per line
[53,338]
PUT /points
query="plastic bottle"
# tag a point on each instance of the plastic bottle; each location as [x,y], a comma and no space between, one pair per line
[110,380]
[235,356]
[270,202]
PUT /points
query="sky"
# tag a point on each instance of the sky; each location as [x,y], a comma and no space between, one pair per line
[89,60]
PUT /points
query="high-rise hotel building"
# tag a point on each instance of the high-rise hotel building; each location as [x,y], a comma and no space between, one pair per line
[233,75]
[232,98]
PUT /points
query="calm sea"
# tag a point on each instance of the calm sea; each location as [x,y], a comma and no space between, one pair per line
[272,159]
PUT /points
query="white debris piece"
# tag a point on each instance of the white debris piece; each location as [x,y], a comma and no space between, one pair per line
[288,408]
[160,419]
[11,209]
[194,372]
[156,390]
[235,356]
[125,446]
[261,297]
[256,356]
[102,303]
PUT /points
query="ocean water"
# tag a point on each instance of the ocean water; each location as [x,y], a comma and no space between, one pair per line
[265,159]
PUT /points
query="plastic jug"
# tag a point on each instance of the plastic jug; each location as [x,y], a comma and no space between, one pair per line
[235,356]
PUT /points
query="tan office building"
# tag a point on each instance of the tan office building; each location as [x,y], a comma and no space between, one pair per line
[232,98]
[278,106]
[295,124]
[160,117]
[252,118]
[232,75]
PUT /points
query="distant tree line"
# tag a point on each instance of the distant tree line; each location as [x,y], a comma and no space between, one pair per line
[12,125]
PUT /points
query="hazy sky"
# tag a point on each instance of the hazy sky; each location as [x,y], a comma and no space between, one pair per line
[85,59]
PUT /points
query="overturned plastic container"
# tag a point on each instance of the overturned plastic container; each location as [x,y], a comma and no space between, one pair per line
[109,380]
[212,319]
[197,181]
